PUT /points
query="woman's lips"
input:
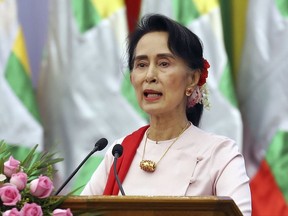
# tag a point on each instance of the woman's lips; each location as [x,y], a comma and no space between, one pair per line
[152,95]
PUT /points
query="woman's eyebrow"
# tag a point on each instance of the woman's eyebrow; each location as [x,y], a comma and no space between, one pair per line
[167,55]
[141,57]
[161,55]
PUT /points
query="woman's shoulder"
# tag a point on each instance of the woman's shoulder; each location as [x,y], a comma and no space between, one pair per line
[203,135]
[214,142]
[218,148]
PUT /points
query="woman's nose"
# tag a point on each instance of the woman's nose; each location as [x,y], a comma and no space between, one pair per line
[151,75]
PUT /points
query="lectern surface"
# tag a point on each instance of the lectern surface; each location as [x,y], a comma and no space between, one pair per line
[151,206]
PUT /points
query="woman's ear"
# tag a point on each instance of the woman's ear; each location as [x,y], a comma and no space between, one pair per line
[194,78]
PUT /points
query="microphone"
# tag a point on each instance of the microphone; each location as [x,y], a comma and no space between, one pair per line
[117,152]
[99,145]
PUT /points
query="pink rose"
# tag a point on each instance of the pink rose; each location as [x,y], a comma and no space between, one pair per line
[9,194]
[11,166]
[12,212]
[19,180]
[31,209]
[41,187]
[62,212]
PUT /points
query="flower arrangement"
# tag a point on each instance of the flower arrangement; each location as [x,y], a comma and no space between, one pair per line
[26,186]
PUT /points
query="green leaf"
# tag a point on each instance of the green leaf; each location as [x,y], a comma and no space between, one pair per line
[29,157]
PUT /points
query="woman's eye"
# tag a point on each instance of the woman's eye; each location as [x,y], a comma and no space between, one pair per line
[140,65]
[164,64]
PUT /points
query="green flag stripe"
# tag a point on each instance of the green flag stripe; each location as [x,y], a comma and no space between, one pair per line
[282,6]
[226,86]
[21,84]
[129,93]
[277,158]
[226,11]
[185,11]
[85,14]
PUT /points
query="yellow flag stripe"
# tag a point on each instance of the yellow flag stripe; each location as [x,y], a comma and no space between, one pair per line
[205,6]
[19,49]
[239,9]
[107,7]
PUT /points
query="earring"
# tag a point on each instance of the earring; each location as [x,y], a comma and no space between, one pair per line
[189,92]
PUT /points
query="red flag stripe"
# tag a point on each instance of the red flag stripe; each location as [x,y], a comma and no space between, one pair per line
[133,10]
[267,198]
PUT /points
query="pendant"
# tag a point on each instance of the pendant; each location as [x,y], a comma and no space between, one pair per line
[148,165]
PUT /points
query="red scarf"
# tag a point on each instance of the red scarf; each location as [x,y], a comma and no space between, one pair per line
[130,145]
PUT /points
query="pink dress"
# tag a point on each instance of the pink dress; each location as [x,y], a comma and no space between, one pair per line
[198,164]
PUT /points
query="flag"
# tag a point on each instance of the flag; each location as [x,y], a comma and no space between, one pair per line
[81,78]
[262,90]
[203,17]
[19,116]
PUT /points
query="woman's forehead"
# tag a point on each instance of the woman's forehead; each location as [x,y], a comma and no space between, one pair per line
[153,42]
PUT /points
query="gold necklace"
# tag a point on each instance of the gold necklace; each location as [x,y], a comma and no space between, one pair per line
[149,165]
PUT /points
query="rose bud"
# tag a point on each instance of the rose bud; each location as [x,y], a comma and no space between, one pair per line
[19,180]
[31,209]
[12,212]
[11,166]
[2,179]
[62,212]
[9,194]
[41,187]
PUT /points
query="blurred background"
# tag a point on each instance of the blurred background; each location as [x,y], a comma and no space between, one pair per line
[64,82]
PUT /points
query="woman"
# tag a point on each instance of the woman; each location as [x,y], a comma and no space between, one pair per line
[172,156]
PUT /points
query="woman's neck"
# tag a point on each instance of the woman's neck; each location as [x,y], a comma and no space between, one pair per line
[160,130]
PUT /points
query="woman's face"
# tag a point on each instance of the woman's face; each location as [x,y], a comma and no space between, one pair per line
[159,77]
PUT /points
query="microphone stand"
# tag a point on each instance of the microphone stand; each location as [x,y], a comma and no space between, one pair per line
[100,144]
[116,175]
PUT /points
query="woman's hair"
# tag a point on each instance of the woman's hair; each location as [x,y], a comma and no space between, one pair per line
[181,42]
